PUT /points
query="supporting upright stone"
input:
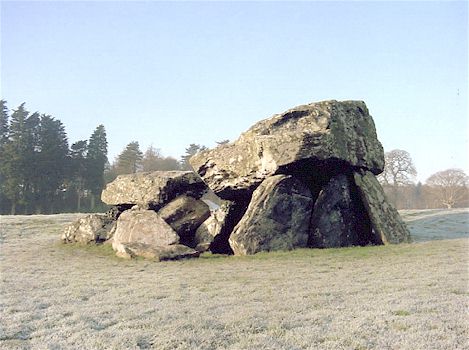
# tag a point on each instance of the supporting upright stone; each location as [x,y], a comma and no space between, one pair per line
[387,224]
[339,218]
[277,217]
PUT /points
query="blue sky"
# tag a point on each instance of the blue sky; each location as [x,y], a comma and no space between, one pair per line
[171,74]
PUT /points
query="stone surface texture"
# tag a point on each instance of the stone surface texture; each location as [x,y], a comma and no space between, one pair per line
[341,131]
[339,219]
[302,178]
[227,216]
[91,228]
[143,226]
[152,189]
[386,221]
[185,214]
[211,228]
[157,253]
[277,217]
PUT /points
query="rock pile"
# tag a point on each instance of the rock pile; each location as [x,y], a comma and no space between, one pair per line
[154,215]
[303,178]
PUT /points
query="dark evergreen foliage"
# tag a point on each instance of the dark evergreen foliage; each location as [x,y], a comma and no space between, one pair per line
[130,159]
[96,159]
[39,173]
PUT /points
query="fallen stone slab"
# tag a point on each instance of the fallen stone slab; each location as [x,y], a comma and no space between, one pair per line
[152,189]
[226,218]
[157,253]
[212,228]
[185,214]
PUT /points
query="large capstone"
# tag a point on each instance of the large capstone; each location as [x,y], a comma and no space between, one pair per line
[152,189]
[386,221]
[341,132]
[339,218]
[277,217]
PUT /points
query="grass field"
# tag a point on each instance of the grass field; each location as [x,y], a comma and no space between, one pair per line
[411,296]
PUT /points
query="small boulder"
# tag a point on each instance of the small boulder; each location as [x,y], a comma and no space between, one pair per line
[92,228]
[143,226]
[339,219]
[210,229]
[185,214]
[386,221]
[152,189]
[277,217]
[226,218]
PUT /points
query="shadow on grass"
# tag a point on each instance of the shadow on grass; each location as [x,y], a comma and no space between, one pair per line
[357,252]
[104,250]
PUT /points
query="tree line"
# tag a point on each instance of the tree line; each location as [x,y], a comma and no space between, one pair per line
[443,189]
[133,160]
[41,173]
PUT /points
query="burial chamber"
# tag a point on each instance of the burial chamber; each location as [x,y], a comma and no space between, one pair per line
[302,178]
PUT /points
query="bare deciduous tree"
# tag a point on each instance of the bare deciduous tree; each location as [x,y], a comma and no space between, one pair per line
[398,169]
[154,160]
[449,186]
[151,158]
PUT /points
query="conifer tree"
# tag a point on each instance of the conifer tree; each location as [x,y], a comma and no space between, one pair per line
[16,156]
[4,126]
[96,159]
[51,162]
[129,160]
[78,170]
[3,122]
